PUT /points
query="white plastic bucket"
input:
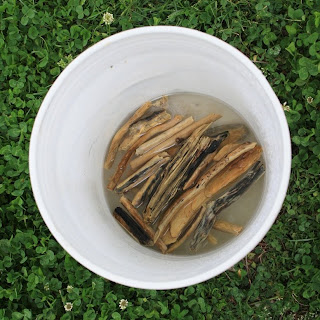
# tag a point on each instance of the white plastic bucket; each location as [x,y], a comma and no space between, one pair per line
[82,111]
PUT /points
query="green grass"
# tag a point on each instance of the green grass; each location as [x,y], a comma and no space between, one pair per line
[280,279]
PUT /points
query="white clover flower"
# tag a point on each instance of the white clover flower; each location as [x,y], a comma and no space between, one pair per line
[285,107]
[69,288]
[68,306]
[108,18]
[46,287]
[123,304]
[309,100]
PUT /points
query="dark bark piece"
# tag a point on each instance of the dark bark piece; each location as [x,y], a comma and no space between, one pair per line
[132,227]
[138,219]
[193,171]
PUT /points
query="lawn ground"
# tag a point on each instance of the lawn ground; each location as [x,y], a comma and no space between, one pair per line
[279,279]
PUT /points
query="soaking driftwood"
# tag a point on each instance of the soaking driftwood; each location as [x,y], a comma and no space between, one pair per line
[212,239]
[220,225]
[193,149]
[173,140]
[148,145]
[188,195]
[140,127]
[143,173]
[215,143]
[122,132]
[182,212]
[116,140]
[236,132]
[216,206]
[125,159]
[175,175]
[148,189]
[224,151]
[188,231]
[138,219]
[132,227]
[228,227]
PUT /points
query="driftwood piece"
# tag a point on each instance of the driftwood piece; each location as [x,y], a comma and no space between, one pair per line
[148,145]
[176,173]
[224,151]
[173,140]
[148,189]
[228,227]
[116,140]
[143,173]
[132,227]
[191,194]
[204,158]
[186,234]
[125,159]
[216,206]
[137,217]
[179,214]
[141,127]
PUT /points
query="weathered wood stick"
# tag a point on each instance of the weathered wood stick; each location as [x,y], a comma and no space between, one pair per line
[122,132]
[125,159]
[137,217]
[173,140]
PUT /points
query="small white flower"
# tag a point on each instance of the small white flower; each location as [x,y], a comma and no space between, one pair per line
[309,100]
[68,306]
[108,18]
[123,304]
[69,288]
[46,287]
[285,107]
